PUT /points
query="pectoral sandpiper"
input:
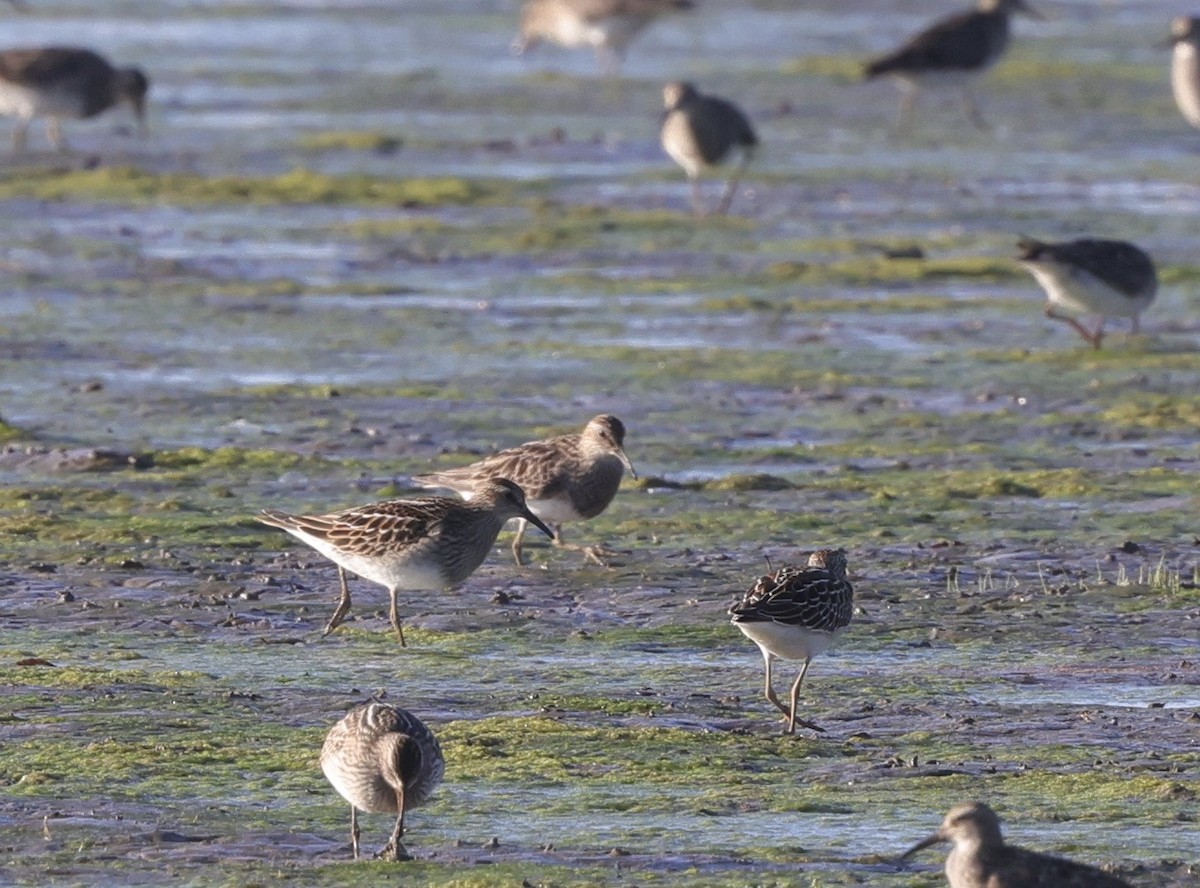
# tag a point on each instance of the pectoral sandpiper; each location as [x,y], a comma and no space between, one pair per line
[606,25]
[1185,67]
[382,760]
[952,52]
[796,613]
[699,132]
[428,544]
[980,859]
[1103,277]
[566,478]
[59,82]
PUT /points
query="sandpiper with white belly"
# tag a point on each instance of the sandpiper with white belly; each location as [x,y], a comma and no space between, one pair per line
[64,82]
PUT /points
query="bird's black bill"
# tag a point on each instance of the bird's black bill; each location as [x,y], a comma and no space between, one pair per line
[537,522]
[921,845]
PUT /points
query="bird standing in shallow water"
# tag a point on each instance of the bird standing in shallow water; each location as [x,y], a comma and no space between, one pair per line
[422,544]
[1089,276]
[980,859]
[566,478]
[1185,67]
[951,52]
[59,82]
[797,613]
[382,760]
[699,132]
[606,25]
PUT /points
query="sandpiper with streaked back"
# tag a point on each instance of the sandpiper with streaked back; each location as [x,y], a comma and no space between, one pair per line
[699,132]
[606,25]
[58,82]
[1108,278]
[951,52]
[565,478]
[1185,67]
[981,859]
[382,760]
[425,544]
[796,613]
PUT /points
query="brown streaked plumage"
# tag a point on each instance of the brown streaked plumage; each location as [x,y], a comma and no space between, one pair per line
[981,859]
[1108,278]
[796,613]
[429,544]
[58,82]
[566,478]
[951,52]
[699,132]
[382,760]
[606,25]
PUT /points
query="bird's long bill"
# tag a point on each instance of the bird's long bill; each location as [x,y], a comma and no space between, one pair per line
[922,845]
[625,460]
[538,523]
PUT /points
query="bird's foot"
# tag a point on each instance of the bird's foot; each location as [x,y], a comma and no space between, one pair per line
[801,723]
[393,851]
[599,555]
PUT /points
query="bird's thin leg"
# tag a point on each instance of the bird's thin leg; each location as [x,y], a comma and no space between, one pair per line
[609,60]
[1092,338]
[343,606]
[1098,336]
[769,691]
[54,131]
[394,615]
[354,832]
[795,696]
[394,850]
[698,199]
[731,186]
[908,102]
[20,135]
[516,543]
[1136,327]
[972,109]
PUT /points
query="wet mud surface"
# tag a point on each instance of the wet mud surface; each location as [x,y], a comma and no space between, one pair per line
[362,243]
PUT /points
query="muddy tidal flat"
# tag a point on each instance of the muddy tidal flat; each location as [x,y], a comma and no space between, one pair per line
[363,241]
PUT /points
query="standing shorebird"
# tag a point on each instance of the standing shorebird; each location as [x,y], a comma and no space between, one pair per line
[699,132]
[427,544]
[606,25]
[797,613]
[1185,67]
[58,82]
[382,760]
[980,859]
[1103,277]
[568,478]
[951,52]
